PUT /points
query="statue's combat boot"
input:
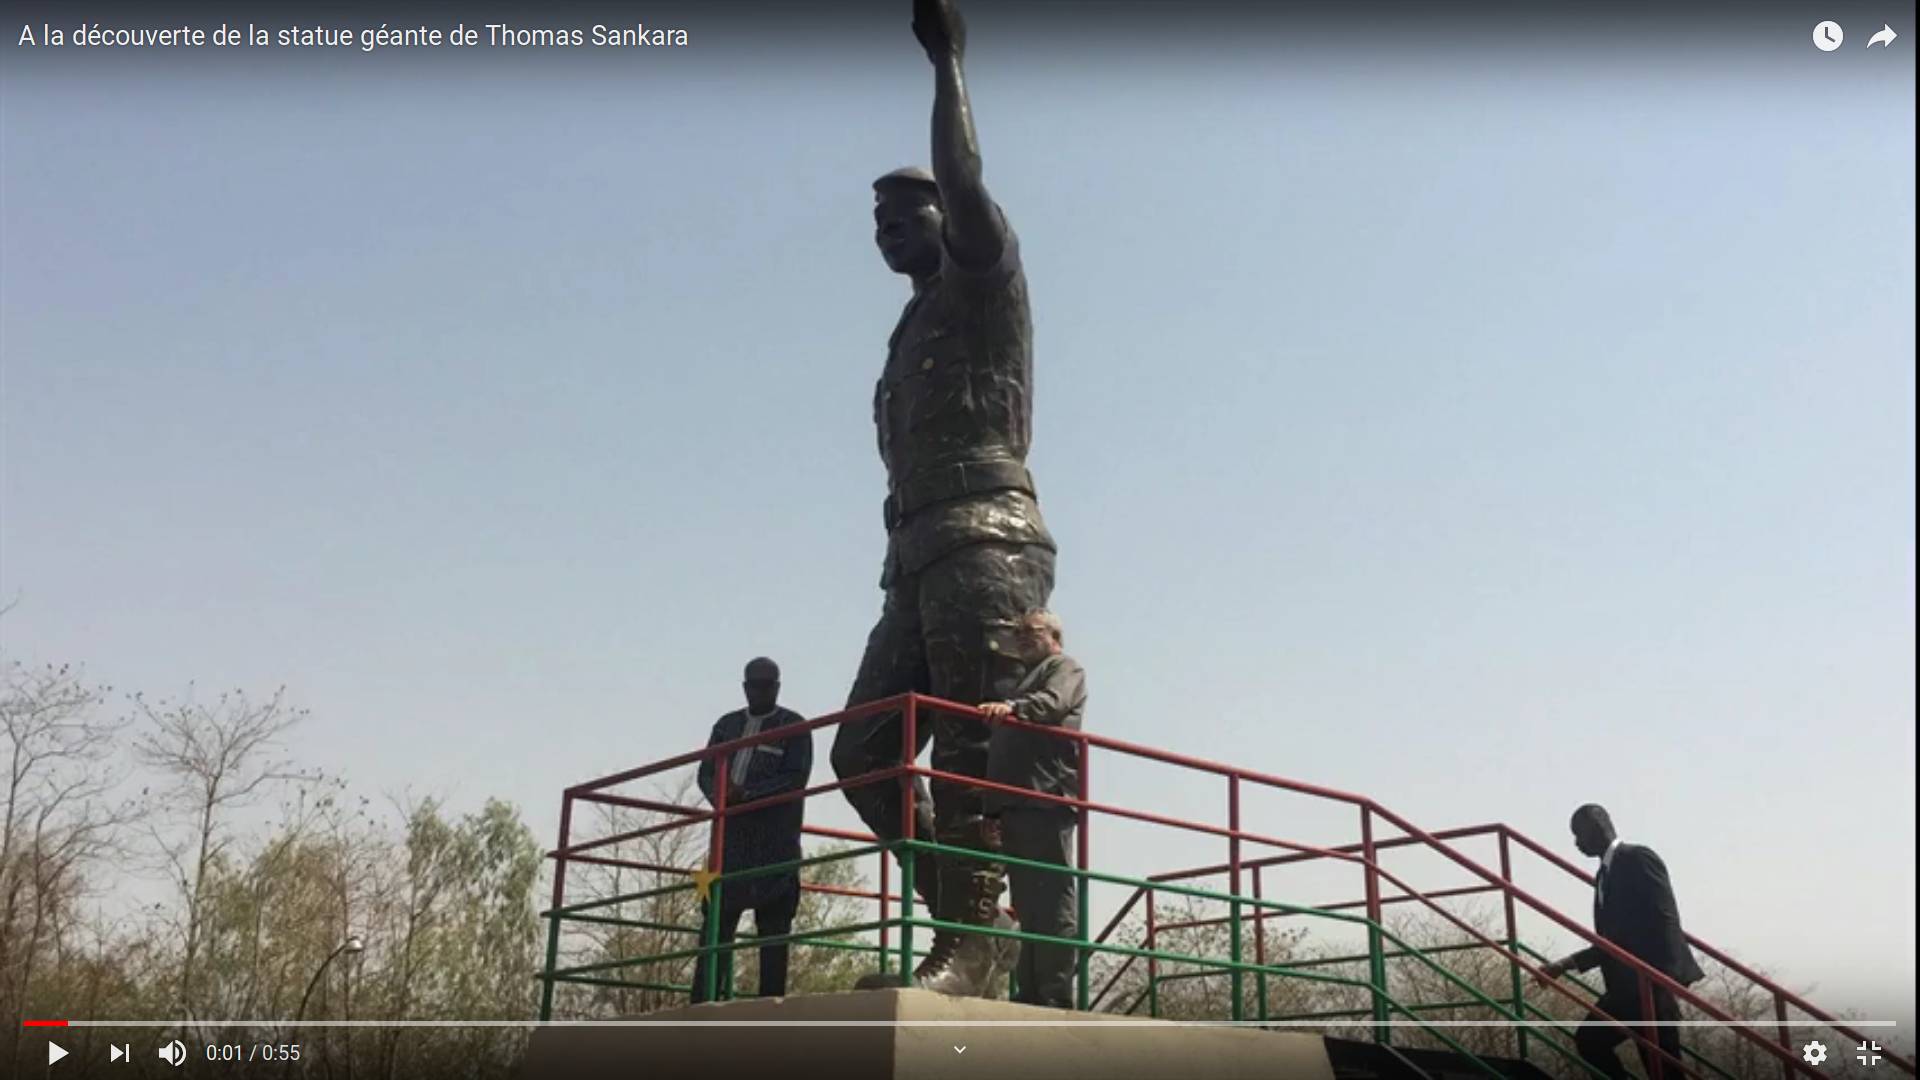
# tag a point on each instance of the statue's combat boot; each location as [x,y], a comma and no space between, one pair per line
[975,963]
[937,958]
[975,887]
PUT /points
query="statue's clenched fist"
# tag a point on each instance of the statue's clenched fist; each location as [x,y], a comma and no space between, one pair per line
[937,24]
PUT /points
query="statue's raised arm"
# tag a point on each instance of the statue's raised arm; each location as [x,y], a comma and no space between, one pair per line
[975,234]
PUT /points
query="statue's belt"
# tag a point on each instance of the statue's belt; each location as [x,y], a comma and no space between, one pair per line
[930,486]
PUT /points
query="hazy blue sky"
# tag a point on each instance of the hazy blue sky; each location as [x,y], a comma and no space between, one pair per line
[1483,427]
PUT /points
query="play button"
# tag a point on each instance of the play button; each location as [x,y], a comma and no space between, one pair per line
[54,1053]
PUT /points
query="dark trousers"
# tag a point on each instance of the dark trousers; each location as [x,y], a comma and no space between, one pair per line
[1047,903]
[942,631]
[773,911]
[1599,1041]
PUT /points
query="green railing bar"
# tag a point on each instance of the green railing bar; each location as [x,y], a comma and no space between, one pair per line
[906,915]
[799,937]
[1116,879]
[670,988]
[624,898]
[1082,994]
[608,920]
[553,957]
[1363,958]
[565,977]
[1339,1013]
[731,875]
[1236,982]
[743,939]
[710,937]
[1377,978]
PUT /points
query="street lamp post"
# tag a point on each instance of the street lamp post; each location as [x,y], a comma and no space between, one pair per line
[353,944]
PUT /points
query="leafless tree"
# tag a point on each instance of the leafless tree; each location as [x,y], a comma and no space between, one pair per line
[211,760]
[60,819]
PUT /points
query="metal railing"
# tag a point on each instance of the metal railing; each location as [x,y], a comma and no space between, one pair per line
[1243,907]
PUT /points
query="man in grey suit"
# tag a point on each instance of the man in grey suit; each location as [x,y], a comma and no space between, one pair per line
[1054,694]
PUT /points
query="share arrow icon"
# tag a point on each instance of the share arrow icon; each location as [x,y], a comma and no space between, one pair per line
[1884,38]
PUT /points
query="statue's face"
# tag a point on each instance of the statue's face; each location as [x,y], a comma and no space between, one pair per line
[906,227]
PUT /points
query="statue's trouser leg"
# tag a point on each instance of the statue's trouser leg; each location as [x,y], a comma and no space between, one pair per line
[970,603]
[894,663]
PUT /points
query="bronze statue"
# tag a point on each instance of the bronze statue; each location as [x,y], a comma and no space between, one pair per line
[967,551]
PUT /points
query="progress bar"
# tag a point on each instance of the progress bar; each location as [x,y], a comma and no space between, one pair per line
[1103,1022]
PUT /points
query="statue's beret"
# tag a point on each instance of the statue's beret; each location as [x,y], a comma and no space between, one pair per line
[910,178]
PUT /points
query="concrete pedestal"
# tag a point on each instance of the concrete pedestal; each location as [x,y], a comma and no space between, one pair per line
[884,1034]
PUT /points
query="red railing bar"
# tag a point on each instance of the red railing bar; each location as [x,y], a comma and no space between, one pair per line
[1345,849]
[721,749]
[719,812]
[1148,752]
[1513,942]
[1233,889]
[1440,894]
[839,834]
[1126,964]
[688,811]
[1118,811]
[1083,895]
[632,803]
[1780,1018]
[1114,923]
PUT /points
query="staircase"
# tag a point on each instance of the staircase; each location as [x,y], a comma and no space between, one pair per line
[1355,1060]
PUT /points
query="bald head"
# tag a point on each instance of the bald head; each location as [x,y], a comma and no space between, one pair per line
[1592,829]
[762,684]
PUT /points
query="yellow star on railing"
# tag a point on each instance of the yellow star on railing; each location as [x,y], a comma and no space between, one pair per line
[703,881]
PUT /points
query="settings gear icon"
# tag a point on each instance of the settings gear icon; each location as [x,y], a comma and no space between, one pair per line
[1814,1053]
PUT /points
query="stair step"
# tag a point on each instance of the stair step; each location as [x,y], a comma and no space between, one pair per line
[1356,1060]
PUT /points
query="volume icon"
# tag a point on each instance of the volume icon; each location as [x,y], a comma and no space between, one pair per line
[173,1053]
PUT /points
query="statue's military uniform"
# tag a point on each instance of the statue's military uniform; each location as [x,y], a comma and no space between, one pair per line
[967,555]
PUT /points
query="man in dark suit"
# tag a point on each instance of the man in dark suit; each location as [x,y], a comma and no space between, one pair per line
[761,837]
[1633,907]
[1053,693]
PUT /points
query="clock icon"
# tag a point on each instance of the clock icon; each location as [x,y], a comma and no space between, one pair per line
[1827,36]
